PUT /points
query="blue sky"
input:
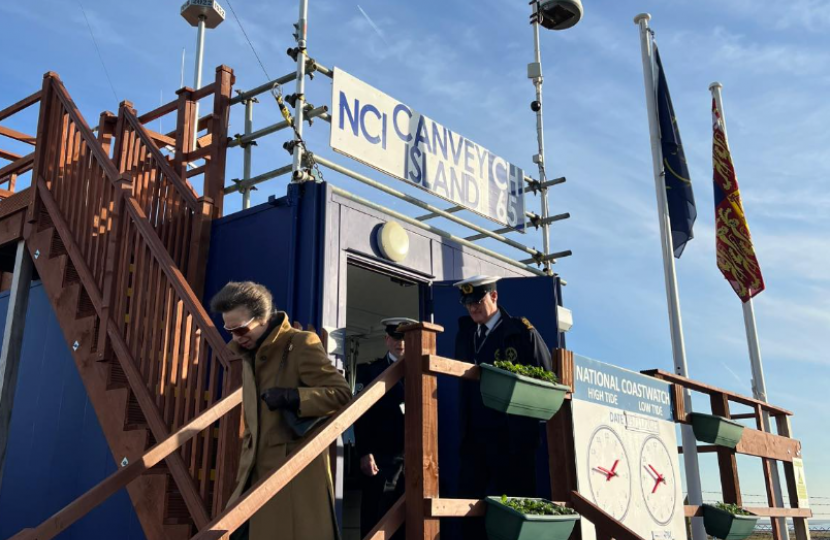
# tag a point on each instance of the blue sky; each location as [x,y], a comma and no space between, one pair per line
[463,64]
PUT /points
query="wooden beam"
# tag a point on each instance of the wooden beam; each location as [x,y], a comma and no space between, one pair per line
[20,166]
[727,464]
[769,468]
[744,416]
[20,105]
[13,342]
[561,453]
[438,365]
[707,389]
[766,445]
[606,526]
[563,366]
[315,443]
[390,522]
[802,531]
[159,138]
[18,136]
[214,184]
[762,511]
[161,111]
[11,156]
[438,507]
[123,476]
[421,431]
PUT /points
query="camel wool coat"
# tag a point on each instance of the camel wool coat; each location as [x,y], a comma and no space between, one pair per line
[304,509]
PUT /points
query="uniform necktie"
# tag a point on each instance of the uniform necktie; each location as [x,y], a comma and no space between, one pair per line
[481,334]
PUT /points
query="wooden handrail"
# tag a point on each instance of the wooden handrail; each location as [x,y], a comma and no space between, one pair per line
[90,500]
[20,105]
[179,283]
[184,190]
[390,522]
[707,389]
[314,444]
[607,526]
[17,136]
[20,166]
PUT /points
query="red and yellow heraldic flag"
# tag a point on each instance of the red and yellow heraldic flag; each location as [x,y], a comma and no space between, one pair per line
[733,243]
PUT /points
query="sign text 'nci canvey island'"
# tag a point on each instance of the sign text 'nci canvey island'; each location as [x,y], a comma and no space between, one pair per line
[383,133]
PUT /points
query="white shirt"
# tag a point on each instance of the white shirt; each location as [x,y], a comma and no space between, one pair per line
[392,357]
[493,321]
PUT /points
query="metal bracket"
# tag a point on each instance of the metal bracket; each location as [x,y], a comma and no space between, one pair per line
[37,253]
[75,346]
[125,462]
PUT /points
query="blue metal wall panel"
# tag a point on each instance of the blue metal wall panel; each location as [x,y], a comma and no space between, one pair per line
[56,449]
[278,244]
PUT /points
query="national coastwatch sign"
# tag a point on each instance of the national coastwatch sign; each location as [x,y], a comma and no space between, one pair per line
[383,133]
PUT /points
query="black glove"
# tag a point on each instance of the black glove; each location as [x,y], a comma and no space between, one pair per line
[281,398]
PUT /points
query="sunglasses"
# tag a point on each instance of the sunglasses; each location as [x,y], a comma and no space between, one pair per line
[242,329]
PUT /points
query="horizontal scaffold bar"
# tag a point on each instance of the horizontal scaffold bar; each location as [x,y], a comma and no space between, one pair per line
[240,185]
[246,139]
[426,206]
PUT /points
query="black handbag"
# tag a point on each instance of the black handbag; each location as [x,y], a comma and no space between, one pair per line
[300,426]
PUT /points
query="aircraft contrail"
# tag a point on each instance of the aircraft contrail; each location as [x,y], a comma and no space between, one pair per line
[373,25]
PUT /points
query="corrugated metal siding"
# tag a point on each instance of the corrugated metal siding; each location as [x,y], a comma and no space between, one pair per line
[56,449]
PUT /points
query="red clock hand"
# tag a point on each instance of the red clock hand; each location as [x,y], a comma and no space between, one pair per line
[614,468]
[656,485]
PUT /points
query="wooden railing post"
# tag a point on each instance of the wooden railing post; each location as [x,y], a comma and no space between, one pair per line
[199,245]
[215,171]
[560,434]
[727,463]
[185,128]
[123,142]
[421,431]
[42,146]
[802,531]
[107,122]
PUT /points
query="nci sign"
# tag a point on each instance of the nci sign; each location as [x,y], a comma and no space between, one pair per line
[383,133]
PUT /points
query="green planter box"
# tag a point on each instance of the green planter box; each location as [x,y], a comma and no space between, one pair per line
[505,523]
[716,429]
[516,394]
[721,524]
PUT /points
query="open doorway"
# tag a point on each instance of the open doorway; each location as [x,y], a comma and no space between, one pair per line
[372,294]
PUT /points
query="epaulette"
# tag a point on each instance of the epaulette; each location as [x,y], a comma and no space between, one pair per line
[527,323]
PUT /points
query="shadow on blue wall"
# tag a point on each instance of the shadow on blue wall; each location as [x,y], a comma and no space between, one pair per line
[56,449]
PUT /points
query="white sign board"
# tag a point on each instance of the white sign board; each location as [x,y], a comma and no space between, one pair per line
[626,450]
[381,132]
[800,483]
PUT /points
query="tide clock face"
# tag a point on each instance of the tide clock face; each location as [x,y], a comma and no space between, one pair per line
[609,472]
[657,480]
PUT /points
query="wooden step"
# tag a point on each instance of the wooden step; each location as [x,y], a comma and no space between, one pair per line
[116,378]
[134,418]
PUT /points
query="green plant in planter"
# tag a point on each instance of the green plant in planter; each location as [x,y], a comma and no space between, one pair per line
[521,390]
[728,521]
[536,507]
[514,518]
[534,372]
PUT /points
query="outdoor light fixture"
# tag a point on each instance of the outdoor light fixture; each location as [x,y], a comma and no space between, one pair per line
[558,14]
[393,241]
[565,318]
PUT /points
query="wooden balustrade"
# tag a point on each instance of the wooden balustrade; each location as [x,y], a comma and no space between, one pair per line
[175,361]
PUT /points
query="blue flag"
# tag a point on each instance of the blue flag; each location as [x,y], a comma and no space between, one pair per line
[681,199]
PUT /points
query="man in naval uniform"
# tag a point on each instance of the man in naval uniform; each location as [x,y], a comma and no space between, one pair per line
[498,451]
[379,435]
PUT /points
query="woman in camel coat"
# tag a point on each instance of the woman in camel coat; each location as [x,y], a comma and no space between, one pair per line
[308,385]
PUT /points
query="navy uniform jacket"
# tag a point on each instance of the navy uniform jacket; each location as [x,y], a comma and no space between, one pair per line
[513,339]
[381,430]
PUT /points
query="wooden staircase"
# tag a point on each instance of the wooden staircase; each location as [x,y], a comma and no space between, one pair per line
[149,356]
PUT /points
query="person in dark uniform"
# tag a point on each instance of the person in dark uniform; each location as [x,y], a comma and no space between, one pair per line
[498,451]
[379,435]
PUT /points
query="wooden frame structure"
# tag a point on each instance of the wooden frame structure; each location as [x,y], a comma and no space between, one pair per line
[421,507]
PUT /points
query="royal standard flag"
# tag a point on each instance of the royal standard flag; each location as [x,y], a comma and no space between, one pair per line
[679,195]
[733,244]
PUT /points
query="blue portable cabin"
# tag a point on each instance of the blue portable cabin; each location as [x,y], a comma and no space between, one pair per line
[318,253]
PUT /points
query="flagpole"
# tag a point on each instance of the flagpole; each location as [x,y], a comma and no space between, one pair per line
[672,296]
[759,386]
